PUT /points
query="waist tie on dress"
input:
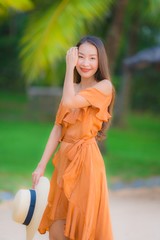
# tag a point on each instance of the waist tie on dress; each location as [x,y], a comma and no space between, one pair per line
[75,153]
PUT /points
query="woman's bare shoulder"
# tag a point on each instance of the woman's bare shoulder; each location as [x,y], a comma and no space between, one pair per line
[105,86]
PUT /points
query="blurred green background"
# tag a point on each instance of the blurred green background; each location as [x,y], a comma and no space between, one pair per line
[34,37]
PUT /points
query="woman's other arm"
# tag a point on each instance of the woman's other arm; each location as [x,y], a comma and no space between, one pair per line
[51,146]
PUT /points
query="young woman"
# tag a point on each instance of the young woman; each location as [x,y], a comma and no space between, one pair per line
[78,206]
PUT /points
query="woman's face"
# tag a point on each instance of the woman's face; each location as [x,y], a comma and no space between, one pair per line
[87,63]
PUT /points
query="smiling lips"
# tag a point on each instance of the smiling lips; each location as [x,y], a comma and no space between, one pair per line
[85,69]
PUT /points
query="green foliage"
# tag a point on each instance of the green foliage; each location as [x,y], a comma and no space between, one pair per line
[49,35]
[152,10]
[10,31]
[18,5]
[141,28]
[134,152]
[10,7]
[145,90]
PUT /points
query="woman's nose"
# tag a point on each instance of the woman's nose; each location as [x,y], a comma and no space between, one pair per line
[85,62]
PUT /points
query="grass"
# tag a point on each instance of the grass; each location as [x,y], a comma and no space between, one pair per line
[22,144]
[132,152]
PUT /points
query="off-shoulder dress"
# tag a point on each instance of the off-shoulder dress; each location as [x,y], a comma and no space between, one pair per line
[79,192]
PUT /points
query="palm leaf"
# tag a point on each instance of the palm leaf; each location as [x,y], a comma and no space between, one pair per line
[48,35]
[20,5]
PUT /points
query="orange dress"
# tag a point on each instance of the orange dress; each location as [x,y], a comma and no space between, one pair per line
[79,193]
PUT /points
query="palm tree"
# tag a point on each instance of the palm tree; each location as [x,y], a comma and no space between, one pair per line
[49,34]
[116,32]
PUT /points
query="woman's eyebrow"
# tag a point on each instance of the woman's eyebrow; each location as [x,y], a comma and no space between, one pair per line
[94,54]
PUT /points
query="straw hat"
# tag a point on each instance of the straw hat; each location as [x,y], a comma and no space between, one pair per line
[29,206]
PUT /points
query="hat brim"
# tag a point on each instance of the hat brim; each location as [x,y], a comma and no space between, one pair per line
[42,191]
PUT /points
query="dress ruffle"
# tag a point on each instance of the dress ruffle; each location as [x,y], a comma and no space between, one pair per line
[69,178]
[96,98]
[80,220]
[74,115]
[61,113]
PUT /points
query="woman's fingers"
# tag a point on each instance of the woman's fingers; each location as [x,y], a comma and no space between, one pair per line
[38,172]
[72,56]
[72,50]
[35,178]
[72,53]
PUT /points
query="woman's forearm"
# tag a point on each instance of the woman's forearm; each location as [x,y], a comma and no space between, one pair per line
[68,88]
[51,146]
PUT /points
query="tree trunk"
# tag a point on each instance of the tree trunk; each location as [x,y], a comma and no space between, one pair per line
[114,36]
[123,99]
[133,35]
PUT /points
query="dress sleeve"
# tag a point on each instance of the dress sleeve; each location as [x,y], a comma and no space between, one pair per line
[98,100]
[61,113]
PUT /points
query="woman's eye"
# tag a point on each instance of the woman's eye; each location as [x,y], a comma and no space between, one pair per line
[92,58]
[80,56]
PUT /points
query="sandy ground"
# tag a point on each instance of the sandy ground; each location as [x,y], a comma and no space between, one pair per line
[135,215]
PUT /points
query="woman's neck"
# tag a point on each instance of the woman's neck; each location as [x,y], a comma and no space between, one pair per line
[85,83]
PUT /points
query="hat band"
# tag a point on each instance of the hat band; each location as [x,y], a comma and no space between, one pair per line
[31,207]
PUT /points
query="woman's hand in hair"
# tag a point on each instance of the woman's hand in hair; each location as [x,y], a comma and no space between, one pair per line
[72,57]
